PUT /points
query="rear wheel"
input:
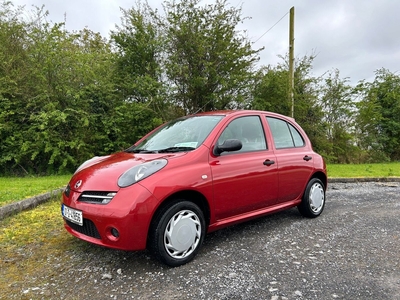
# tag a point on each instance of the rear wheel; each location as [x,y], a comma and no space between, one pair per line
[177,233]
[313,201]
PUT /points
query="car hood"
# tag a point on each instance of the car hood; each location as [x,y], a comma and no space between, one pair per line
[102,173]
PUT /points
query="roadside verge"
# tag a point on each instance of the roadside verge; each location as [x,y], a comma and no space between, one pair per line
[19,206]
[13,208]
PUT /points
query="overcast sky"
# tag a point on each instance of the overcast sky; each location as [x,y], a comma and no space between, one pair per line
[357,37]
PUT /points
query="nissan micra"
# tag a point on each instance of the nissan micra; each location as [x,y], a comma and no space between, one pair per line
[194,175]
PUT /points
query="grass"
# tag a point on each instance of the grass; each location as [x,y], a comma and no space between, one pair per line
[31,244]
[364,170]
[13,189]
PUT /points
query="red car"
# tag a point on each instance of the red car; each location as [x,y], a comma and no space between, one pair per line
[194,175]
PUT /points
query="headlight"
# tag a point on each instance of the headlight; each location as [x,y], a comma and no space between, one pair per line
[140,172]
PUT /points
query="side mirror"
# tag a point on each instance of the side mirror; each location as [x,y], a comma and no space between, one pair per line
[227,145]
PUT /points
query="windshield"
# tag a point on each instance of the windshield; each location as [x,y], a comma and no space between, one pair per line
[183,134]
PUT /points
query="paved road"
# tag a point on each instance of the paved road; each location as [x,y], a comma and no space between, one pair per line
[350,252]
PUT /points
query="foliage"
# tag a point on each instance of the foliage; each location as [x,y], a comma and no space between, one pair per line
[379,116]
[271,93]
[209,62]
[307,110]
[138,45]
[67,96]
[336,98]
[58,101]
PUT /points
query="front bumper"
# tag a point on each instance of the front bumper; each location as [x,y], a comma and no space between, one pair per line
[121,224]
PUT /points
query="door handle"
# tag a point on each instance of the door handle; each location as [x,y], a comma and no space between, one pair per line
[307,158]
[268,162]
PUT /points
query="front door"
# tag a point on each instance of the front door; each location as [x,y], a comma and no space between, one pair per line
[244,180]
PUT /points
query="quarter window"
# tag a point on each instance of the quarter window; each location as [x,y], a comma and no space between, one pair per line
[297,138]
[284,134]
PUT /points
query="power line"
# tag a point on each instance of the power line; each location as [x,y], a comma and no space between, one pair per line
[270,28]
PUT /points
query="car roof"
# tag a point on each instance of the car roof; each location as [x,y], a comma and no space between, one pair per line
[240,112]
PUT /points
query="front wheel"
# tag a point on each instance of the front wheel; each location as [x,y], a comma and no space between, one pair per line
[177,233]
[313,201]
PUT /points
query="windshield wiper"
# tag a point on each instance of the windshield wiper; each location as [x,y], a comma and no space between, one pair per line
[166,150]
[175,149]
[141,151]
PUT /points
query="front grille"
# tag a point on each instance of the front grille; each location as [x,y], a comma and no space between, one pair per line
[96,197]
[88,228]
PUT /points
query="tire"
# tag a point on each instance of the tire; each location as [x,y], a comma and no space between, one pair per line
[177,233]
[313,201]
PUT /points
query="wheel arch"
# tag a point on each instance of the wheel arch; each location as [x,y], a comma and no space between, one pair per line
[321,176]
[189,195]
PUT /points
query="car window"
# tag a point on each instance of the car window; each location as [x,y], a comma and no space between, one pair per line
[284,134]
[297,138]
[248,130]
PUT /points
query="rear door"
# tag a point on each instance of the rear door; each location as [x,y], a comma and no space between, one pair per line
[294,159]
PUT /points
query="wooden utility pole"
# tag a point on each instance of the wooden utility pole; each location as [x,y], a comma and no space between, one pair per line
[291,61]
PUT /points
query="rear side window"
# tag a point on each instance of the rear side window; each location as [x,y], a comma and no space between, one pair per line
[284,134]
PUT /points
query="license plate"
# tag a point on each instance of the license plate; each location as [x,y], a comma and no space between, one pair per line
[73,215]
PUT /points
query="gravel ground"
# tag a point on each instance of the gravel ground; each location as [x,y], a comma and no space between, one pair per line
[350,252]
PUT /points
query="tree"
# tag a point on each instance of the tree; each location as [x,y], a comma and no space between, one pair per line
[379,116]
[138,52]
[271,93]
[208,63]
[336,98]
[59,103]
[14,73]
[271,90]
[307,109]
